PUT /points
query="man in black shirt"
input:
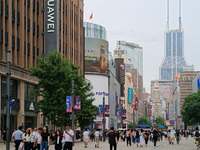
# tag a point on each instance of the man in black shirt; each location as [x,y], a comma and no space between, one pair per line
[112,139]
[155,136]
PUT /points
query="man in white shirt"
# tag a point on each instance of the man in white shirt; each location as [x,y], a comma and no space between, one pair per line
[86,137]
[38,139]
[33,146]
[96,136]
[68,135]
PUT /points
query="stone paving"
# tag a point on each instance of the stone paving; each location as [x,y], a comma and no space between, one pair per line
[163,145]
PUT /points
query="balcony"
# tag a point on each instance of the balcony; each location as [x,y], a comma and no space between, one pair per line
[18,44]
[13,41]
[13,15]
[6,10]
[6,38]
[18,18]
[16,103]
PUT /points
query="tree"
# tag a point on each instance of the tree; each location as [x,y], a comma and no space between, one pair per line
[55,76]
[144,120]
[160,121]
[130,126]
[191,108]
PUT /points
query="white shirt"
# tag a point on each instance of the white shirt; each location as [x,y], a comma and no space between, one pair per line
[27,137]
[33,137]
[58,138]
[67,137]
[38,138]
[86,134]
[97,134]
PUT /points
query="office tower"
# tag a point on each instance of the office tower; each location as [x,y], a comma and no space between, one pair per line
[174,59]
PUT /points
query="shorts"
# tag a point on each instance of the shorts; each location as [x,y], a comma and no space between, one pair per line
[137,140]
[86,139]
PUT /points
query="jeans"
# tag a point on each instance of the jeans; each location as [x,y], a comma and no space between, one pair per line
[177,139]
[44,145]
[113,145]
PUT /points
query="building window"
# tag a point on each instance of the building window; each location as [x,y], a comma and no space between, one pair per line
[13,87]
[29,92]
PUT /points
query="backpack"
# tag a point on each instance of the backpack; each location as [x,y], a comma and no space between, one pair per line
[197,133]
[127,134]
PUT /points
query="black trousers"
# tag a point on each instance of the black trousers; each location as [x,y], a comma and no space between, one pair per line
[27,146]
[33,148]
[146,141]
[38,147]
[113,145]
[68,146]
[155,140]
[17,143]
[128,140]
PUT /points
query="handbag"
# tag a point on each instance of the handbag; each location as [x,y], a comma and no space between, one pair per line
[21,146]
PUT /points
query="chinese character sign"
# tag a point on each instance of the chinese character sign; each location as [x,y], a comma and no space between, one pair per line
[107,111]
[130,95]
[77,104]
[100,110]
[69,104]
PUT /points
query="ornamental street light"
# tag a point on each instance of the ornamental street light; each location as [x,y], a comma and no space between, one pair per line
[8,102]
[104,119]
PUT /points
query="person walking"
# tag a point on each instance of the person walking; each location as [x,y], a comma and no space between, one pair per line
[33,145]
[17,135]
[133,136]
[128,137]
[38,139]
[177,136]
[86,137]
[68,135]
[45,139]
[137,137]
[155,136]
[118,135]
[4,136]
[142,142]
[27,139]
[146,137]
[172,137]
[112,139]
[58,141]
[96,136]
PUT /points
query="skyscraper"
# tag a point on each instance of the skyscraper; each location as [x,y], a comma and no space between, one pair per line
[174,59]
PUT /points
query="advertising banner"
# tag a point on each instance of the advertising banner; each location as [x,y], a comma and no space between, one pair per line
[198,83]
[119,114]
[130,95]
[96,55]
[107,111]
[77,104]
[69,104]
[124,114]
[100,110]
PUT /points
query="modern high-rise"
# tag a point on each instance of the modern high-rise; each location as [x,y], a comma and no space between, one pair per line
[30,28]
[174,59]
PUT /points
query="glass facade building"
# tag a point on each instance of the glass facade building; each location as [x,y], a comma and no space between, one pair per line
[174,59]
[95,31]
[135,53]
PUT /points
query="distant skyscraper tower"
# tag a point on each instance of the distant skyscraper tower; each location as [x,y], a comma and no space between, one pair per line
[174,59]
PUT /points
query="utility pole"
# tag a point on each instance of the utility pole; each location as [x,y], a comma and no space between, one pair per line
[8,102]
[73,107]
[104,119]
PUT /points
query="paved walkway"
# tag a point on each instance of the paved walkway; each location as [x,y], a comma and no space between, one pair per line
[163,145]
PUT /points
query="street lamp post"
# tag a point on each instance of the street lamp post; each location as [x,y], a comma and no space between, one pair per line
[73,107]
[8,102]
[104,119]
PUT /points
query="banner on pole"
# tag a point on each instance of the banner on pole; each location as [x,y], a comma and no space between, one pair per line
[100,110]
[69,104]
[77,104]
[119,112]
[130,95]
[124,114]
[107,111]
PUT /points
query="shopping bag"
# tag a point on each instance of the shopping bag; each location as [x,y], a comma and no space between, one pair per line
[180,138]
[21,146]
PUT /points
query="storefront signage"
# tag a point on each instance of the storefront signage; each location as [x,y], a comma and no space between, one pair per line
[101,93]
[51,26]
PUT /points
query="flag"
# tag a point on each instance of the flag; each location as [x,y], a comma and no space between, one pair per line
[69,104]
[91,16]
[77,105]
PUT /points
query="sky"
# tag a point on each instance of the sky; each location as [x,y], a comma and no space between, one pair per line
[144,22]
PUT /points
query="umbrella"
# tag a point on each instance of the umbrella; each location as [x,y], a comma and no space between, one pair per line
[143,126]
[162,127]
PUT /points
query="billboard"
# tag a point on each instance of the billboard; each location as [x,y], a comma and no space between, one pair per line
[96,55]
[69,104]
[77,104]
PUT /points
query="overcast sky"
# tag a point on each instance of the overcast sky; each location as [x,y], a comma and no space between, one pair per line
[143,22]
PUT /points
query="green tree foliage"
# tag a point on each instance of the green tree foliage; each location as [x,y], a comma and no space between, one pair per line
[191,108]
[55,76]
[130,126]
[160,121]
[144,120]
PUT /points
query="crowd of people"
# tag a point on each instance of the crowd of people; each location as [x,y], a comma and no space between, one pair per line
[39,139]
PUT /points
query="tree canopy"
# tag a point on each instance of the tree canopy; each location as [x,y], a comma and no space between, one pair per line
[191,108]
[144,120]
[160,121]
[55,76]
